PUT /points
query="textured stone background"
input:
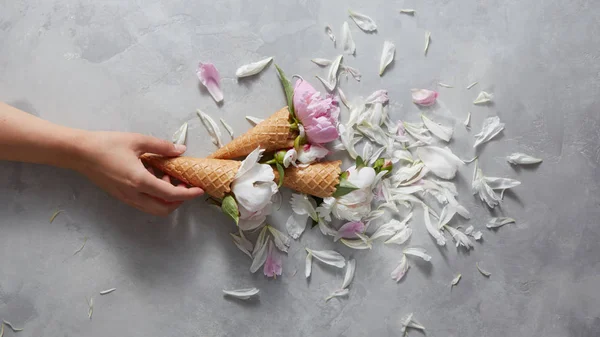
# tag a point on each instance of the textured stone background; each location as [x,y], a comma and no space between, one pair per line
[130,66]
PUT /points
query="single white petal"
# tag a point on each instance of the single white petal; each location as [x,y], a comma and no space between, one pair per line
[444,85]
[308,265]
[350,269]
[347,136]
[467,121]
[387,56]
[179,137]
[260,256]
[518,158]
[441,161]
[238,241]
[399,272]
[337,293]
[477,235]
[242,294]
[367,150]
[321,62]
[461,238]
[303,204]
[254,120]
[482,271]
[469,230]
[352,71]
[296,224]
[472,85]
[330,257]
[499,222]
[388,229]
[496,183]
[362,21]
[326,229]
[405,320]
[328,85]
[347,41]
[253,68]
[491,127]
[455,280]
[408,11]
[107,291]
[250,162]
[437,235]
[281,241]
[343,97]
[227,127]
[211,127]
[483,98]
[332,75]
[329,33]
[400,237]
[427,41]
[440,131]
[357,244]
[418,252]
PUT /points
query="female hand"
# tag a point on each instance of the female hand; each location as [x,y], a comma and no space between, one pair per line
[111,161]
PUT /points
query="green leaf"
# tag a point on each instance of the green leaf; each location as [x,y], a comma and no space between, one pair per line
[344,175]
[289,91]
[343,188]
[360,163]
[281,173]
[230,207]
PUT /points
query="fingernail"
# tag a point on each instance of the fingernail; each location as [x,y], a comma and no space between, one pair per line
[180,148]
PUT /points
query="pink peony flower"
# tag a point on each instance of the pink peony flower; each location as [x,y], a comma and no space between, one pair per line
[319,115]
[273,264]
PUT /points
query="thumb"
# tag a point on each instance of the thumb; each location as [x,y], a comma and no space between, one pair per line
[147,144]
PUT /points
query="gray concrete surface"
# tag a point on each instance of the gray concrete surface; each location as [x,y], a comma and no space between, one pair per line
[130,66]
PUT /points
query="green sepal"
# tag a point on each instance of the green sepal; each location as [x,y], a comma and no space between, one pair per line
[288,90]
[360,163]
[281,173]
[298,142]
[279,156]
[343,188]
[229,206]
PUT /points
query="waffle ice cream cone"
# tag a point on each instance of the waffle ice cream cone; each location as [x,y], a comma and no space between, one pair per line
[272,134]
[214,176]
[318,179]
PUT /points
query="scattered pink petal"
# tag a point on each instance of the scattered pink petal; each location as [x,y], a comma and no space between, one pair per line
[210,78]
[349,230]
[273,264]
[424,97]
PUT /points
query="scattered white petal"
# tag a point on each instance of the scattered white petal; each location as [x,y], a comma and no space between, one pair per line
[427,41]
[438,130]
[357,244]
[424,97]
[418,252]
[518,158]
[179,137]
[11,326]
[282,242]
[469,230]
[362,21]
[242,294]
[441,161]
[491,127]
[482,271]
[254,120]
[328,85]
[321,62]
[227,127]
[379,96]
[253,68]
[387,56]
[400,237]
[330,257]
[303,204]
[445,85]
[308,265]
[408,11]
[329,33]
[479,186]
[107,291]
[90,307]
[350,269]
[211,127]
[332,75]
[337,293]
[499,222]
[460,238]
[296,224]
[390,228]
[437,235]
[352,71]
[347,41]
[242,243]
[472,85]
[467,121]
[483,98]
[399,272]
[259,252]
[405,320]
[455,280]
[343,97]
[210,78]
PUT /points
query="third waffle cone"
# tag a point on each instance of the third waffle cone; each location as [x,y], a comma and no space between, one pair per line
[317,179]
[214,176]
[272,134]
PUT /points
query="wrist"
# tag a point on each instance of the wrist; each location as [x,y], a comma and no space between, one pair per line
[74,149]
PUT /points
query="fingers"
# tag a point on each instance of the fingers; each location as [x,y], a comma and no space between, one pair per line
[164,190]
[147,144]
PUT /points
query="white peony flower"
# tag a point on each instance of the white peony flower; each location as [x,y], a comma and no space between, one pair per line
[357,204]
[290,158]
[253,188]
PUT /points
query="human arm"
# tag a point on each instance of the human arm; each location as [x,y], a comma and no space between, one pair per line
[109,159]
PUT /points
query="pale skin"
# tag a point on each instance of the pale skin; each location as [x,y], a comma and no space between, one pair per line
[109,159]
